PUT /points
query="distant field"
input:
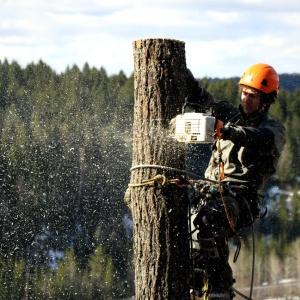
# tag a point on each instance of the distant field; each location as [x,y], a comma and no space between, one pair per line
[283,291]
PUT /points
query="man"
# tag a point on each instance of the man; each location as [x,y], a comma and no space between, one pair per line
[244,156]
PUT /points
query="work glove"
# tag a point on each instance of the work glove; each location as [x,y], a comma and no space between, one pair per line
[196,96]
[233,133]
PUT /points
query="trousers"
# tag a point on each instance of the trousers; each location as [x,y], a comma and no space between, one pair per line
[214,220]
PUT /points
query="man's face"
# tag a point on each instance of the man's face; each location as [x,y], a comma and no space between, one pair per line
[250,100]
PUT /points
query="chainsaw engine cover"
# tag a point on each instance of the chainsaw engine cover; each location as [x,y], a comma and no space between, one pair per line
[194,128]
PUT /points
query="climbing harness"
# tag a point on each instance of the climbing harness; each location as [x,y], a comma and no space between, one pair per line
[160,180]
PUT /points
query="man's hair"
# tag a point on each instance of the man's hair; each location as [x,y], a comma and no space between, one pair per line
[268,98]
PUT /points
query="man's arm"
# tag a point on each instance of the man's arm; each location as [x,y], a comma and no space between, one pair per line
[266,137]
[196,96]
[201,100]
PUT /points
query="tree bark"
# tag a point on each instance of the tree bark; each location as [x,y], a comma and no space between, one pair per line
[161,244]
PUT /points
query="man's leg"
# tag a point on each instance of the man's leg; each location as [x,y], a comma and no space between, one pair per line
[213,229]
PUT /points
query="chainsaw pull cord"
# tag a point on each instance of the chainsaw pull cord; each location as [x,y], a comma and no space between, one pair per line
[220,178]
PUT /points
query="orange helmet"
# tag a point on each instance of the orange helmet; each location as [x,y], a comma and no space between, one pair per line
[261,77]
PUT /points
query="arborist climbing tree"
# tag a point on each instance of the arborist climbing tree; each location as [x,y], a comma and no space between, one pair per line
[244,155]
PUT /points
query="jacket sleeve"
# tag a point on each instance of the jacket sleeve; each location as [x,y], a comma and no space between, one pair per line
[197,96]
[267,137]
[223,110]
[201,100]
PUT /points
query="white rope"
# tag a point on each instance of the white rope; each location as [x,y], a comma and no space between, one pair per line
[170,169]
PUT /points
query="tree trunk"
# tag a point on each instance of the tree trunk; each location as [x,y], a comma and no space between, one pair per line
[161,244]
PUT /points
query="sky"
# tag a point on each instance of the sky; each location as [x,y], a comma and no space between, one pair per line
[222,37]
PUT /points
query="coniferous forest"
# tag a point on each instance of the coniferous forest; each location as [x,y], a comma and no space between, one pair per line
[65,145]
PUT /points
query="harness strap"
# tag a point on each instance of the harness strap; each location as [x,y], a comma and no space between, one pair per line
[221,177]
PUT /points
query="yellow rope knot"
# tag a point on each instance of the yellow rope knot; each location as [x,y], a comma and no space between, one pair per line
[159,179]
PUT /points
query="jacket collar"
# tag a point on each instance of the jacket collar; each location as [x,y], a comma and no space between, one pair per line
[253,119]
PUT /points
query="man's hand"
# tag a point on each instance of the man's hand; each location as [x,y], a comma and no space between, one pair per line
[232,133]
[218,129]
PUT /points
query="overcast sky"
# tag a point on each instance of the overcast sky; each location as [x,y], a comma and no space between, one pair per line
[222,37]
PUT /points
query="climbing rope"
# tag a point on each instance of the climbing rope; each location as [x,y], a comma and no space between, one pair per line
[220,178]
[221,163]
[175,170]
[158,179]
[161,180]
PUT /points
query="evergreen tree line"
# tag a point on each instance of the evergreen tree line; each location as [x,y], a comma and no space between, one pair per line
[65,145]
[64,165]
